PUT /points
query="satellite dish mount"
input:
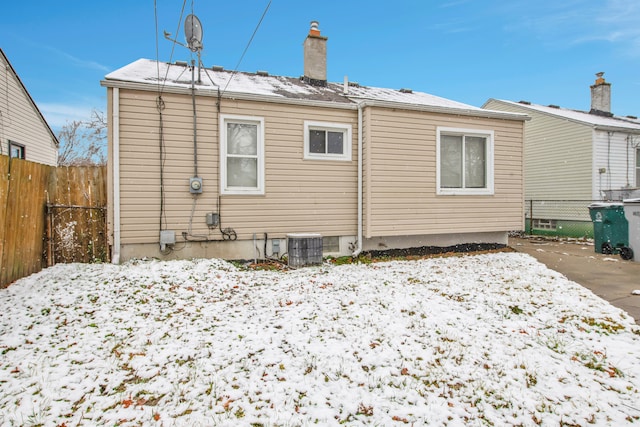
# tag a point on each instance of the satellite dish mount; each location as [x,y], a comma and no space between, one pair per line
[193,35]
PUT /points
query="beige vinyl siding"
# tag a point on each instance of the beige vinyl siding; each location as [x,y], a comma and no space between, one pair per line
[401,173]
[300,195]
[20,121]
[558,156]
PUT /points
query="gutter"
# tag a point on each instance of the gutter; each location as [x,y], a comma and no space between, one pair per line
[490,114]
[115,256]
[634,131]
[359,242]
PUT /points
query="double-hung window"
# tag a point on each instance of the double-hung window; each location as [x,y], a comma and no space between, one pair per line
[465,161]
[327,141]
[242,154]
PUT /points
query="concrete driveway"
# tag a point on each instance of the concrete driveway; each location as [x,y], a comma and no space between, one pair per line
[608,276]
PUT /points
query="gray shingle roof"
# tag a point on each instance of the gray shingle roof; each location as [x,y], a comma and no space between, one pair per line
[145,71]
[585,117]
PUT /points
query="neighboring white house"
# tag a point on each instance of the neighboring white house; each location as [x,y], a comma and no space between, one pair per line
[24,133]
[572,155]
[578,155]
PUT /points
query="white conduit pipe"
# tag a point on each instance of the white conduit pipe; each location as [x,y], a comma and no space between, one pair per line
[115,256]
[359,243]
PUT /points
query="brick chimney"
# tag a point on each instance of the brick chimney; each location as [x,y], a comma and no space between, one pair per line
[315,57]
[601,97]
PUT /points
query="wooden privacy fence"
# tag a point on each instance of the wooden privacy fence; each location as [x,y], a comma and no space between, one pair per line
[50,215]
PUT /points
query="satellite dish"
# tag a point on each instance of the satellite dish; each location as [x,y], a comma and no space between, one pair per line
[193,32]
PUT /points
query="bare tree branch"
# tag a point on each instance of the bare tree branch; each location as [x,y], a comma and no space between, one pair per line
[83,142]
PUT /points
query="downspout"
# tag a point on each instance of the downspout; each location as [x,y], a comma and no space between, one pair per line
[359,242]
[627,150]
[609,160]
[115,256]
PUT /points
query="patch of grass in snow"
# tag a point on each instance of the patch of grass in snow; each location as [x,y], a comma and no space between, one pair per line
[8,349]
[515,309]
[554,343]
[597,361]
[361,259]
[531,379]
[608,325]
[366,410]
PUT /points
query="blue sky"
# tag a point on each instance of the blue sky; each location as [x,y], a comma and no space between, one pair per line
[546,52]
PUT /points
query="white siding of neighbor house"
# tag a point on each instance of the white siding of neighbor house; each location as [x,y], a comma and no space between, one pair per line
[400,176]
[558,156]
[300,195]
[20,121]
[615,153]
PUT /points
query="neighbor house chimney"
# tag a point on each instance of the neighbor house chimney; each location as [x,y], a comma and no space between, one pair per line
[315,57]
[601,97]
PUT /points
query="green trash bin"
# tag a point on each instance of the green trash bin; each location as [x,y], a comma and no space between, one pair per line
[610,227]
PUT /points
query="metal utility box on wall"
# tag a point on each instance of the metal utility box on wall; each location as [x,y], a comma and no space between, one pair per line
[167,238]
[195,185]
[212,219]
[304,249]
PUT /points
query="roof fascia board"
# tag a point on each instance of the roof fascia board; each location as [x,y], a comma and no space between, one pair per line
[491,114]
[617,129]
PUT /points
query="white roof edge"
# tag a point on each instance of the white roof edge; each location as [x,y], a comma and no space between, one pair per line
[616,129]
[596,126]
[213,92]
[492,114]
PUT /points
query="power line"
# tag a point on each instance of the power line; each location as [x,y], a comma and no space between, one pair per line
[246,48]
[173,46]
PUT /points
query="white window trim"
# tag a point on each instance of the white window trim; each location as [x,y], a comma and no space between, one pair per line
[224,188]
[333,127]
[489,189]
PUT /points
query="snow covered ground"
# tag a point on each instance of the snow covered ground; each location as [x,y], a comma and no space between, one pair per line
[491,339]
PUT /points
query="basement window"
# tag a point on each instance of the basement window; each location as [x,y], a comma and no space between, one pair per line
[327,141]
[464,161]
[330,244]
[544,224]
[242,154]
